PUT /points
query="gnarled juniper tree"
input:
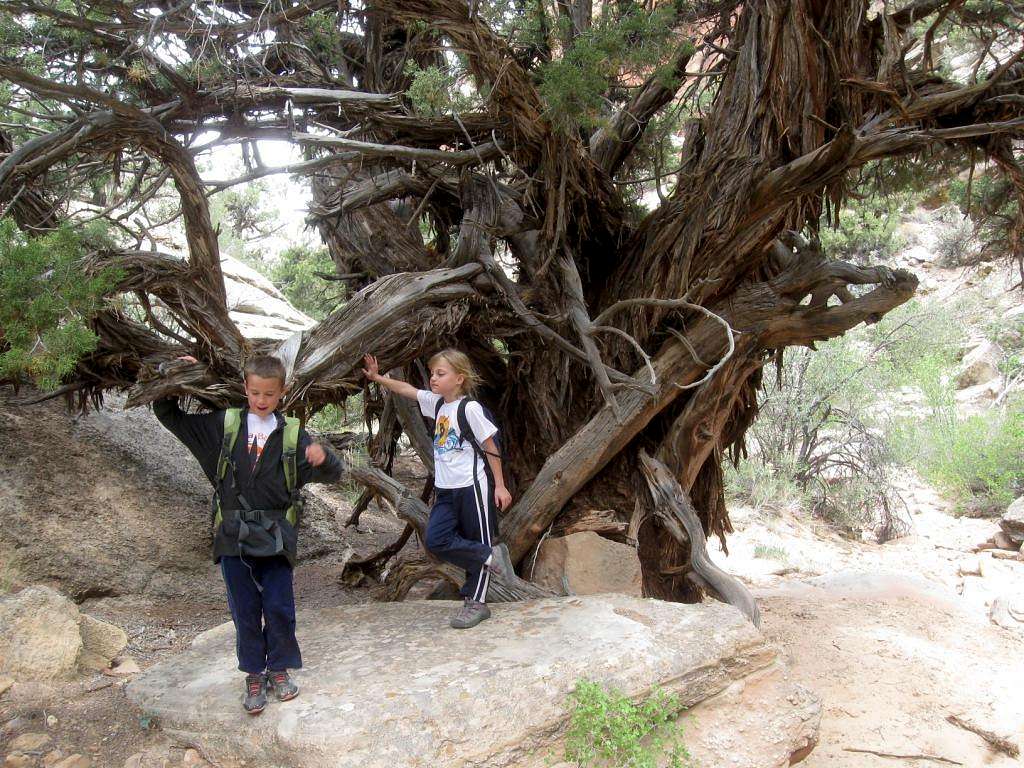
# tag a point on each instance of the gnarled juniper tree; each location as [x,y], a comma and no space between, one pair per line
[611,207]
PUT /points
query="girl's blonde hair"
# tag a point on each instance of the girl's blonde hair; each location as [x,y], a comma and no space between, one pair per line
[461,364]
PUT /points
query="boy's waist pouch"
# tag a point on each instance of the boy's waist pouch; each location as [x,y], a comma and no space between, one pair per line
[259,532]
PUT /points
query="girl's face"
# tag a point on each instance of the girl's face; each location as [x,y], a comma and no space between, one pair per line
[445,381]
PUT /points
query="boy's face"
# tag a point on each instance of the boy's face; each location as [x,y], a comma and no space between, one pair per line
[264,394]
[444,381]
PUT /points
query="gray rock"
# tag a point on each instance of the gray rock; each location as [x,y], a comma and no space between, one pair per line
[1012,521]
[980,365]
[391,685]
[101,638]
[39,637]
[589,564]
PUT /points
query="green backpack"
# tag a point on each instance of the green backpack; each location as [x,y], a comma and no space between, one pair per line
[232,425]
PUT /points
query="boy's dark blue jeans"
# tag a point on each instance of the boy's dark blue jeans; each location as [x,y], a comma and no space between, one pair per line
[262,605]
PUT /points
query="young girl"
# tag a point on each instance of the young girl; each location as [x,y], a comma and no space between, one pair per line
[463,519]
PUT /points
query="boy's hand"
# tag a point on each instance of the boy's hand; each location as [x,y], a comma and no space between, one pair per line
[315,454]
[502,498]
[371,369]
[188,359]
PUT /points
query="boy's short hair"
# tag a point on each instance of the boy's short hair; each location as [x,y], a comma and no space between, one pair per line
[266,367]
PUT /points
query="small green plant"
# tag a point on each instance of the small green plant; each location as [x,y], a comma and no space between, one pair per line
[609,729]
[46,301]
[770,552]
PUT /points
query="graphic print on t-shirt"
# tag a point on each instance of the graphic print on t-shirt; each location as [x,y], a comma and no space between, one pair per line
[445,438]
[259,429]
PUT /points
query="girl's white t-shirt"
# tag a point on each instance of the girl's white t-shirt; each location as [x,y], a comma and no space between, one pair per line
[453,463]
[259,429]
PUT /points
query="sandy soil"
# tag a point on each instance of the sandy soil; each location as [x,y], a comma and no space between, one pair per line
[892,637]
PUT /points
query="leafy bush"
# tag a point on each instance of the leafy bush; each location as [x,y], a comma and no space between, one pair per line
[607,728]
[979,460]
[296,274]
[46,302]
[867,229]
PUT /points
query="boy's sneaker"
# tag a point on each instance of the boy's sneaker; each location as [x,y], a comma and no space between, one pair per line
[501,562]
[255,694]
[284,688]
[470,614]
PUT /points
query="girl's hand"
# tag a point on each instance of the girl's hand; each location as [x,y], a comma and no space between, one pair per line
[371,369]
[188,359]
[315,454]
[502,498]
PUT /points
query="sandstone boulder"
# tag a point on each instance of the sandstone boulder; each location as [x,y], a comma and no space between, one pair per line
[1012,521]
[391,685]
[588,564]
[980,365]
[39,635]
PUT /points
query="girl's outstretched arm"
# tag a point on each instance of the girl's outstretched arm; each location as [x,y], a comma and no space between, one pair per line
[372,372]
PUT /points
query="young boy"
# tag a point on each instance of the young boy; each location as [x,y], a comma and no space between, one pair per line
[256,518]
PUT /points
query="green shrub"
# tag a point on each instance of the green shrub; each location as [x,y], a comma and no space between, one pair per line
[767,552]
[606,728]
[296,274]
[46,302]
[867,228]
[976,460]
[762,486]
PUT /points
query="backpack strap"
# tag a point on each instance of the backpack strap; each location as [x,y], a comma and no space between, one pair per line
[232,424]
[438,407]
[466,429]
[291,471]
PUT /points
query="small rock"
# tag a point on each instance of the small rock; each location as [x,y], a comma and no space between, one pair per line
[1007,611]
[18,760]
[51,720]
[101,638]
[30,742]
[192,759]
[1012,521]
[74,761]
[5,683]
[154,757]
[1003,541]
[980,365]
[52,757]
[123,666]
[970,567]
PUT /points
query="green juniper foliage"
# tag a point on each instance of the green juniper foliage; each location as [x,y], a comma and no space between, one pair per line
[616,47]
[297,272]
[610,730]
[45,304]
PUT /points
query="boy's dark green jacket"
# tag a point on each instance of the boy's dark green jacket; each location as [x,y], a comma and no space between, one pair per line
[263,487]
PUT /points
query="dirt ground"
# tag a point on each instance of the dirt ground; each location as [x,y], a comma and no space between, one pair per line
[892,637]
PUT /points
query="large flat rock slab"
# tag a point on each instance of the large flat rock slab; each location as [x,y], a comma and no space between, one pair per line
[391,685]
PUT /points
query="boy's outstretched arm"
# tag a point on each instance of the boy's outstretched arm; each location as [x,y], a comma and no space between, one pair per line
[372,372]
[316,464]
[200,432]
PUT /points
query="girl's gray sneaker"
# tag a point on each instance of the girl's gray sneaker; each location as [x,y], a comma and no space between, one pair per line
[255,699]
[470,614]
